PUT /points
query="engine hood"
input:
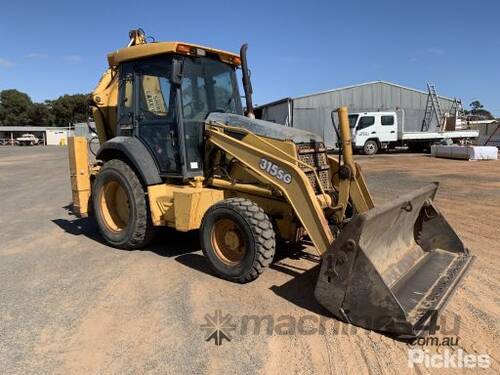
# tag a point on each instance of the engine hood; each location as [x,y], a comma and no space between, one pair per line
[264,128]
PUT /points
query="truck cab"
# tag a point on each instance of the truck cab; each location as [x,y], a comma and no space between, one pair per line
[372,131]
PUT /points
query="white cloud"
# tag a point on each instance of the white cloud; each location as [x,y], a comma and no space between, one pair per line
[436,51]
[73,58]
[37,55]
[424,54]
[4,63]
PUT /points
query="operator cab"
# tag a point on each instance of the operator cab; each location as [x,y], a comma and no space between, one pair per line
[164,101]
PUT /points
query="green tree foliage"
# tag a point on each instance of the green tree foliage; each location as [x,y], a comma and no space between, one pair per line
[17,109]
[41,115]
[476,104]
[69,109]
[478,112]
[14,108]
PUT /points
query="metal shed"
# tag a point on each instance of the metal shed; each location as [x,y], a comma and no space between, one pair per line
[48,135]
[312,112]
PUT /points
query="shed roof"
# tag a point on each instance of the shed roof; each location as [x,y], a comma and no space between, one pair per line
[367,84]
[30,128]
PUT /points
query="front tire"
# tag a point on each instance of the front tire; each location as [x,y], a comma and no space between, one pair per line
[370,147]
[238,239]
[120,207]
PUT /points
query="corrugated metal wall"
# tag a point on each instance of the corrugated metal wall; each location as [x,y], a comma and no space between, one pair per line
[313,112]
[277,112]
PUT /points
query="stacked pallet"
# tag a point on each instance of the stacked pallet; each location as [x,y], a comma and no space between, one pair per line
[465,152]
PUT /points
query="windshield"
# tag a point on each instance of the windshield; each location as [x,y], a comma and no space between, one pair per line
[208,85]
[352,120]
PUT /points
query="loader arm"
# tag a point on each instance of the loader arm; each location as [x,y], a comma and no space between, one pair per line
[297,189]
[347,178]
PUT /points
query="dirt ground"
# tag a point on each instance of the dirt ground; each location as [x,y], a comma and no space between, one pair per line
[70,304]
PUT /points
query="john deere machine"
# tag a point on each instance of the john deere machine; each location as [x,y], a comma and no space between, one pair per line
[178,150]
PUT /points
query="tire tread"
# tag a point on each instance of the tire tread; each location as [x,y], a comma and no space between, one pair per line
[263,233]
[144,230]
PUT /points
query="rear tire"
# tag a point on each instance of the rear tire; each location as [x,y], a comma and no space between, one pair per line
[238,239]
[120,207]
[370,147]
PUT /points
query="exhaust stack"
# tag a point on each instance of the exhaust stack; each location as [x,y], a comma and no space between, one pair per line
[247,84]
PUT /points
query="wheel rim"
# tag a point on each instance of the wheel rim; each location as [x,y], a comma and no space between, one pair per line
[370,148]
[114,206]
[228,242]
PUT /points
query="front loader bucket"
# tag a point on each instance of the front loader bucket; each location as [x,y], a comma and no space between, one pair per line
[393,267]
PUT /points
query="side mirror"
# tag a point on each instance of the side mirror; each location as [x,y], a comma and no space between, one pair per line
[176,76]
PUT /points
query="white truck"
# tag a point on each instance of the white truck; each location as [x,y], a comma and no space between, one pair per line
[374,131]
[27,140]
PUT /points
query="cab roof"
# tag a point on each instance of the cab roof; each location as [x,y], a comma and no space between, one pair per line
[152,49]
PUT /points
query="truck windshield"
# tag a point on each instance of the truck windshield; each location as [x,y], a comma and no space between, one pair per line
[208,85]
[352,120]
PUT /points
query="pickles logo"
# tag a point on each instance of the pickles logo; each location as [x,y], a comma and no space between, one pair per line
[218,327]
[275,171]
[447,359]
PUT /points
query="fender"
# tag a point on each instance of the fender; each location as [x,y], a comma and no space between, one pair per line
[134,152]
[376,140]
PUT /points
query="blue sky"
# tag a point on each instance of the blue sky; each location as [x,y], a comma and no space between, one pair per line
[50,48]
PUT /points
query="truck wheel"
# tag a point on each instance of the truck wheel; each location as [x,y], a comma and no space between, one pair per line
[370,147]
[238,239]
[120,207]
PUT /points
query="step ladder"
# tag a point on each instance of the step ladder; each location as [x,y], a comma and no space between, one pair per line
[457,109]
[458,113]
[432,108]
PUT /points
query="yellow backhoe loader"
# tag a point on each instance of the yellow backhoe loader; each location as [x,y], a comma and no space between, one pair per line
[178,150]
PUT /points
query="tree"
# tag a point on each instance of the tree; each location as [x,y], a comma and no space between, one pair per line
[40,115]
[15,108]
[476,104]
[478,112]
[69,109]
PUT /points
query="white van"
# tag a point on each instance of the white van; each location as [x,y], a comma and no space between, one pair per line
[373,131]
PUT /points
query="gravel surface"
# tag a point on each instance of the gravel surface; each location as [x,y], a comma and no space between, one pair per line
[70,304]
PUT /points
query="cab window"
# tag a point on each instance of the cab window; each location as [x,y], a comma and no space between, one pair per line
[387,120]
[352,120]
[155,97]
[365,122]
[126,98]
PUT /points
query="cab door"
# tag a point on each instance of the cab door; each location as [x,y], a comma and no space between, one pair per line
[365,129]
[388,128]
[156,114]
